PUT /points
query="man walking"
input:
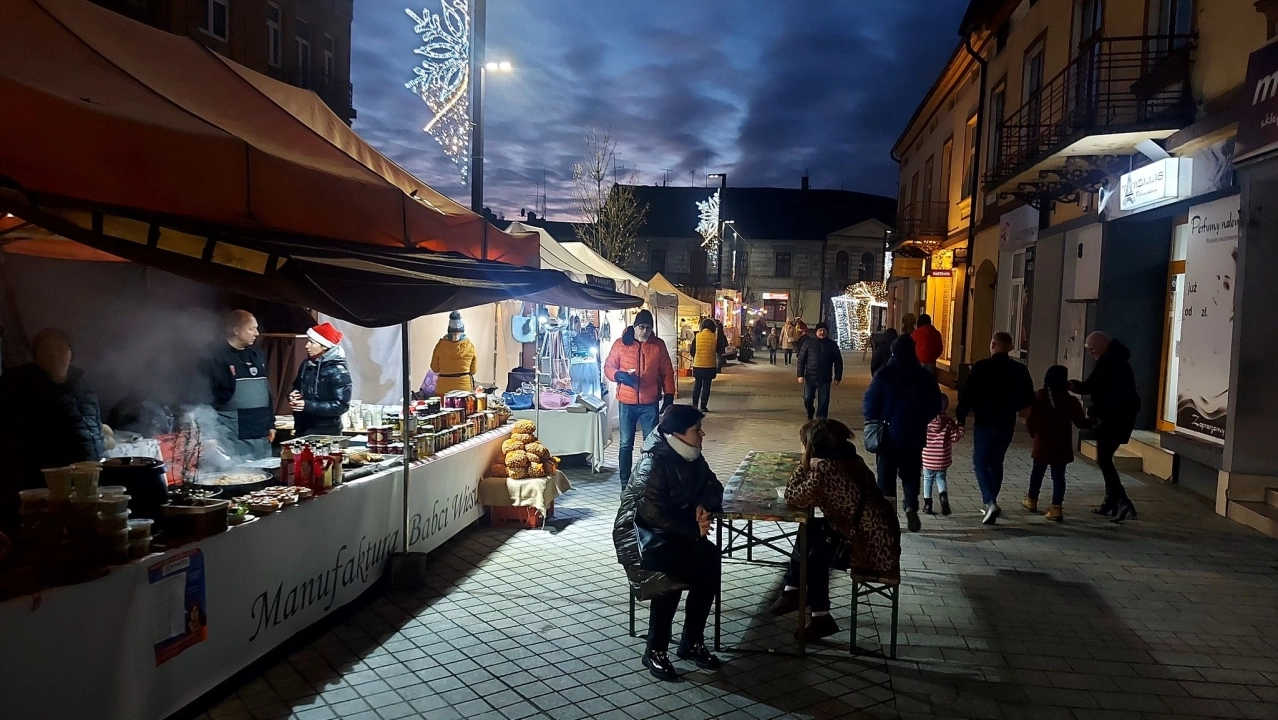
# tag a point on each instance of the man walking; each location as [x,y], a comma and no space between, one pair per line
[928,344]
[820,364]
[640,365]
[998,388]
[1115,405]
[905,398]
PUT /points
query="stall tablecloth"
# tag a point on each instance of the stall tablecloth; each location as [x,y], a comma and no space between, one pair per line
[539,493]
[567,433]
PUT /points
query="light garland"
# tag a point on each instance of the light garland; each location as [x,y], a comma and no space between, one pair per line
[852,313]
[443,78]
[708,226]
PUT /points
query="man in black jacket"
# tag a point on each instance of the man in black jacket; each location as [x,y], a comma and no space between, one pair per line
[50,419]
[240,391]
[1115,405]
[820,363]
[998,388]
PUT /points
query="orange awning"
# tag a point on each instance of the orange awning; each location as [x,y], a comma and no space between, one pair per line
[103,113]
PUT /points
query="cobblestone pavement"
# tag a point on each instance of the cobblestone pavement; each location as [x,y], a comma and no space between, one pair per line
[1171,615]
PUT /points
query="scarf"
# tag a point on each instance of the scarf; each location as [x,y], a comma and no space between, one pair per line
[685,451]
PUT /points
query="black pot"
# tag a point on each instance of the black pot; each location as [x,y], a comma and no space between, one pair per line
[233,491]
[144,480]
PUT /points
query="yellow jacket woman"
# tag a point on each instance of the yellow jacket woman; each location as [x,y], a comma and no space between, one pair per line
[454,359]
[705,363]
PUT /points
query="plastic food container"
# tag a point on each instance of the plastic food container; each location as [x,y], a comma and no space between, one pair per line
[113,504]
[34,499]
[140,528]
[59,482]
[112,523]
[85,479]
[140,547]
[112,490]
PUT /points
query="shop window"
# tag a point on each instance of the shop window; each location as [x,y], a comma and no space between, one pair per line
[782,265]
[842,269]
[213,18]
[1017,318]
[865,273]
[274,35]
[775,310]
[1172,331]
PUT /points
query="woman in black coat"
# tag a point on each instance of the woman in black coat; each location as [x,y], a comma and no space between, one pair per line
[322,391]
[661,538]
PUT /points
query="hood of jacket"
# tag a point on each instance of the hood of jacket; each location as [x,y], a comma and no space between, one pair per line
[334,353]
[1117,352]
[456,347]
[628,336]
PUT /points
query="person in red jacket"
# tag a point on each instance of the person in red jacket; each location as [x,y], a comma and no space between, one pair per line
[928,344]
[640,365]
[1050,419]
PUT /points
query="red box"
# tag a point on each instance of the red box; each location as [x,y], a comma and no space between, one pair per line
[518,517]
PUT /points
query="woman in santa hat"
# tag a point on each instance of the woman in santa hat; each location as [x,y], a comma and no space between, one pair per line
[322,391]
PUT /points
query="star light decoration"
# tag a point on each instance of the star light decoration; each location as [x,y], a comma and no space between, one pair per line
[443,78]
[708,226]
[852,313]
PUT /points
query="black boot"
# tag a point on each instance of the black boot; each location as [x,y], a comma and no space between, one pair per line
[927,506]
[1124,510]
[699,654]
[945,503]
[1108,506]
[658,663]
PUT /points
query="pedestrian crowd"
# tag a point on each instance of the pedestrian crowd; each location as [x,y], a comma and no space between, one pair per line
[662,527]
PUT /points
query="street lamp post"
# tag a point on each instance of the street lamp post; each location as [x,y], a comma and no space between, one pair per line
[479,73]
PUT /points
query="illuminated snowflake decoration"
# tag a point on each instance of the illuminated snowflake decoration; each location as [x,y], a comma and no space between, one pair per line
[852,313]
[708,226]
[443,78]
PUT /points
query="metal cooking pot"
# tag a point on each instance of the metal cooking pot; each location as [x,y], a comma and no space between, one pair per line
[143,478]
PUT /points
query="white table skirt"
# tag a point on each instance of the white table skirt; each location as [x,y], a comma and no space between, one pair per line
[565,433]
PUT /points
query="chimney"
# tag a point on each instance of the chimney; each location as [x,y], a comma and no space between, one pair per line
[805,185]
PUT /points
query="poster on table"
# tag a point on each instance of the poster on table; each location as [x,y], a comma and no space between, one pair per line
[1207,323]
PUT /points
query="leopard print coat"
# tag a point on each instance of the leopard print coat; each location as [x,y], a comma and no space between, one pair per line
[837,488]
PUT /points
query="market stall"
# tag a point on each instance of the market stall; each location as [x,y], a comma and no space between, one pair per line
[144,154]
[690,311]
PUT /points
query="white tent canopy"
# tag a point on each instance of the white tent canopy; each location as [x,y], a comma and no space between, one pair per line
[689,306]
[626,283]
[555,257]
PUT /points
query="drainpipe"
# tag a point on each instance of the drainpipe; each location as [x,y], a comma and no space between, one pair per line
[972,193]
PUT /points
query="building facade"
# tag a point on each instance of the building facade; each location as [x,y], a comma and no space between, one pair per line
[785,251]
[1109,200]
[306,43]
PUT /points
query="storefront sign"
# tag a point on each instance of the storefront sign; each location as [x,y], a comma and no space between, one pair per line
[1207,323]
[1258,118]
[776,296]
[1018,228]
[903,267]
[1157,183]
[942,264]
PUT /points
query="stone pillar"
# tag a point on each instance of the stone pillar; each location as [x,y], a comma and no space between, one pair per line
[1250,461]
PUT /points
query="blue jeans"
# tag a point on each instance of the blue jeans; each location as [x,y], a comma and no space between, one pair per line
[989,448]
[934,476]
[633,417]
[1058,482]
[821,394]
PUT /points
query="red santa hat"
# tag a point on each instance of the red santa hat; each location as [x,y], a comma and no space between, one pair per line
[325,334]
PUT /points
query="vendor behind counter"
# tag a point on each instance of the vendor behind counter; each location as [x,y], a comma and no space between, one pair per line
[240,389]
[50,418]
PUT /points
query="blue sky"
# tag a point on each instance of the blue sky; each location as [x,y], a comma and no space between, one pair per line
[760,89]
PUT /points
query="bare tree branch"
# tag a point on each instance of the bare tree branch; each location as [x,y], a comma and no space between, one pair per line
[611,212]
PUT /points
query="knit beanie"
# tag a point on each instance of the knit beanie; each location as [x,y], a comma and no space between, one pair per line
[455,324]
[644,318]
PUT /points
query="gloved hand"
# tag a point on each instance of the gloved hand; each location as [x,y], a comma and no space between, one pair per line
[625,378]
[666,402]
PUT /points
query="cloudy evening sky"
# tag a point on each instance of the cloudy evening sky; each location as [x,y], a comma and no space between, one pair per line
[760,89]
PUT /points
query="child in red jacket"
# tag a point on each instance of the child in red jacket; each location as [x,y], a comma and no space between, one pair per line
[1051,423]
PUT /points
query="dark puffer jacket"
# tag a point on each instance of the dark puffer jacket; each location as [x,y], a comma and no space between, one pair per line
[656,526]
[905,395]
[44,424]
[325,385]
[820,361]
[1115,400]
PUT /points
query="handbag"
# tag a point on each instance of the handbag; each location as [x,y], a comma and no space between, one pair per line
[841,552]
[872,435]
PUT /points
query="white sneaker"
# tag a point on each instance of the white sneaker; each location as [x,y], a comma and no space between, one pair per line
[992,512]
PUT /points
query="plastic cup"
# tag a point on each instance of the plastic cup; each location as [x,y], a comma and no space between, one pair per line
[59,482]
[85,480]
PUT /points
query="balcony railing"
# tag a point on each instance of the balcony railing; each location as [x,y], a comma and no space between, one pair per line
[923,220]
[1113,84]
